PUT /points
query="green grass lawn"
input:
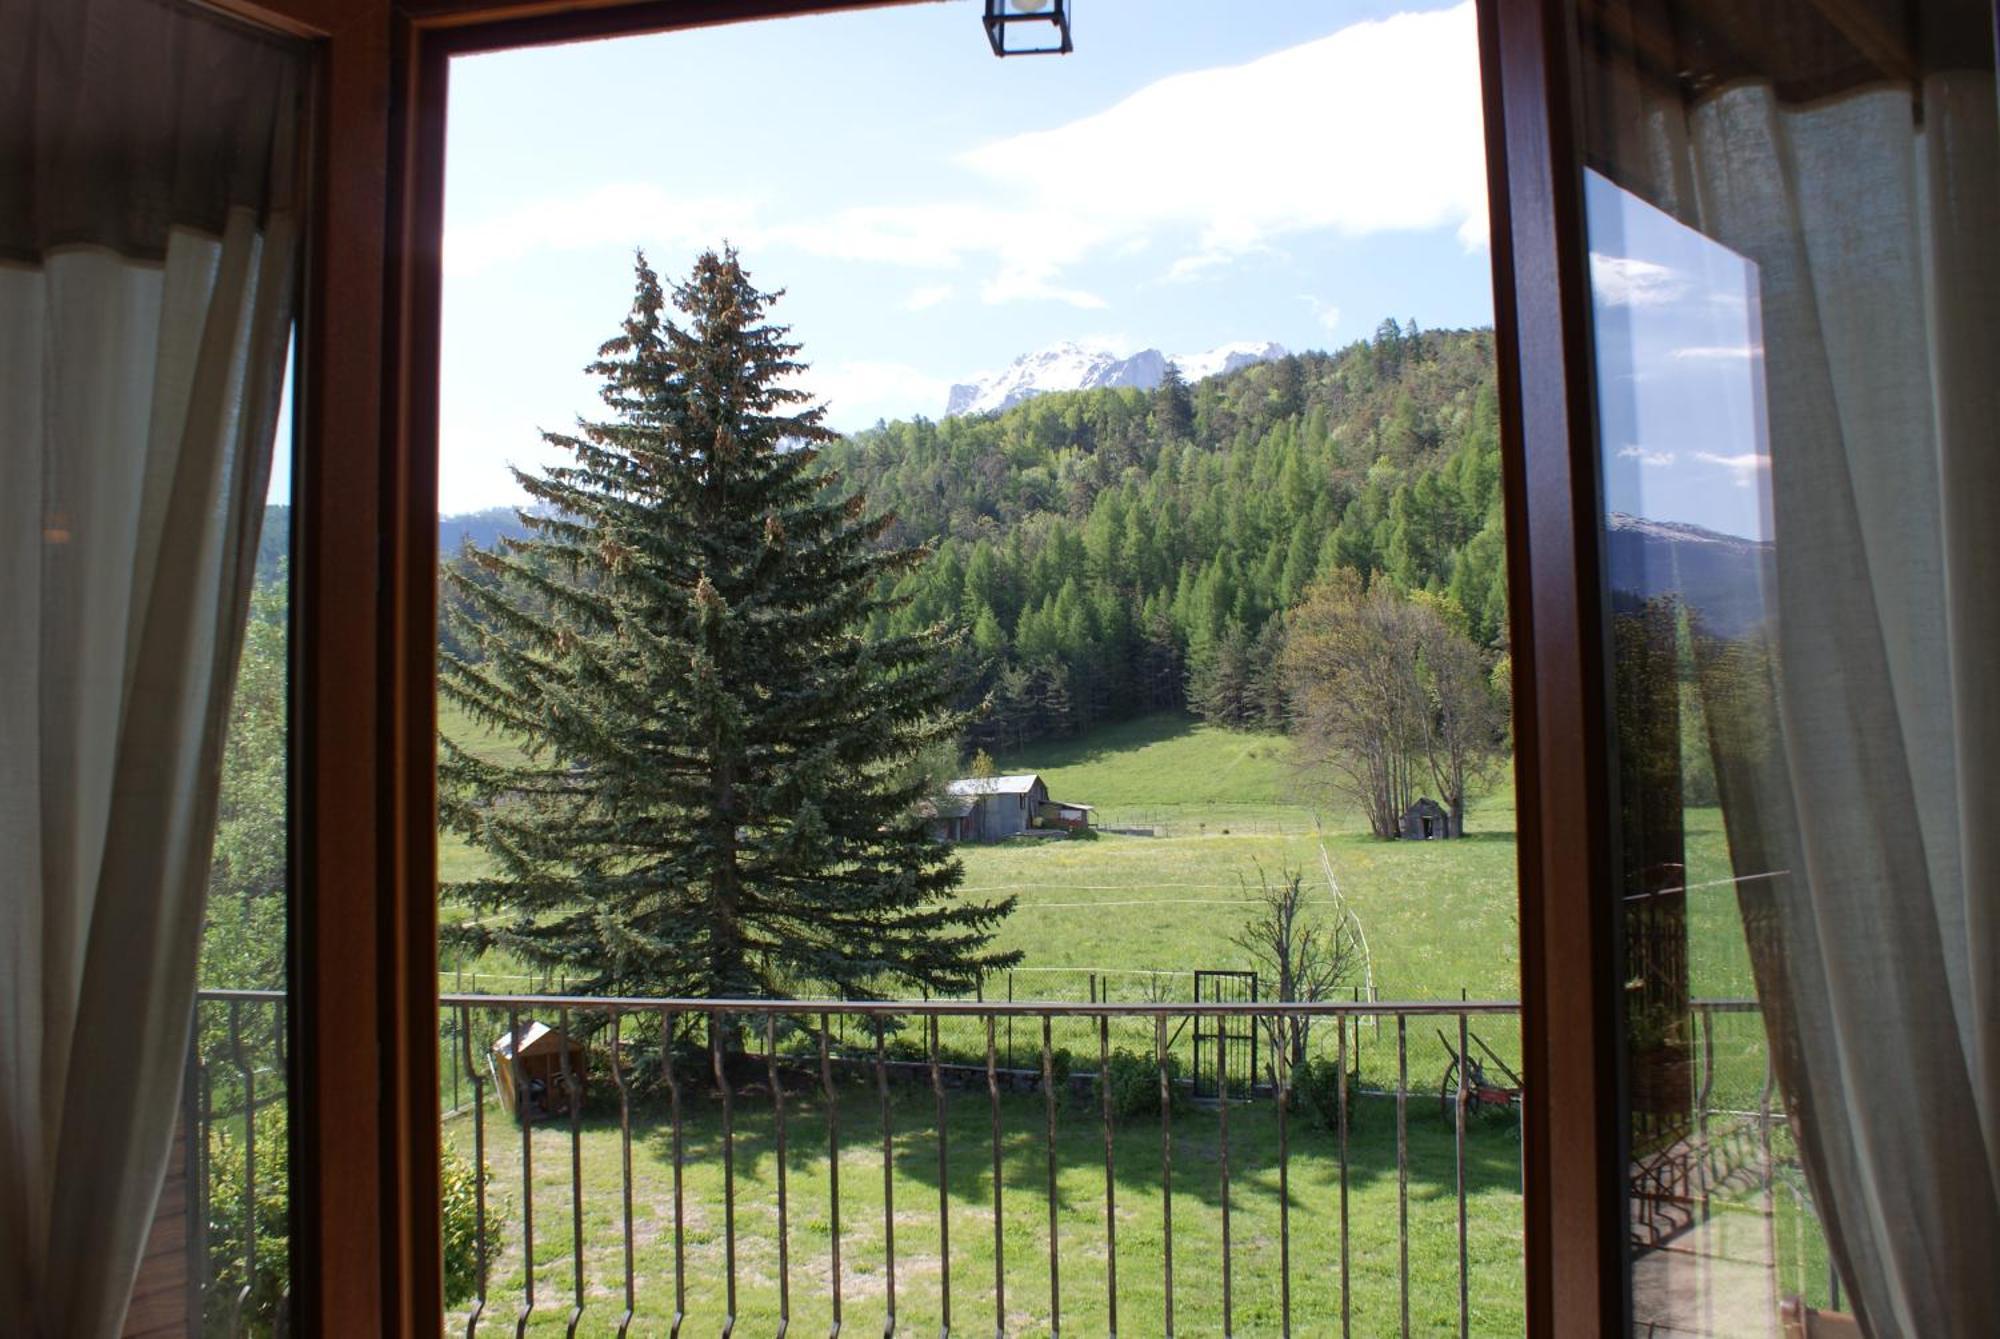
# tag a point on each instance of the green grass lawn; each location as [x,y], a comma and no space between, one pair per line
[1124,918]
[1494,1237]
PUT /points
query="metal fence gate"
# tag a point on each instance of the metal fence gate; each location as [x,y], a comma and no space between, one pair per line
[1225,1049]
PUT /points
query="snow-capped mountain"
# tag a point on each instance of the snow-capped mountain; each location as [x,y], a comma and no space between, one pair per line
[1727,581]
[1071,367]
[1227,358]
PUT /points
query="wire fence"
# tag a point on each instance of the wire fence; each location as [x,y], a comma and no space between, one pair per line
[1428,1061]
[1205,820]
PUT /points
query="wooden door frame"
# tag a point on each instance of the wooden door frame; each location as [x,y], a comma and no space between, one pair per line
[366,1239]
[1572,1141]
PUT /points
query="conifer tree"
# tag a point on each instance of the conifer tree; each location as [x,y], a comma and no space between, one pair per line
[721,795]
[1175,412]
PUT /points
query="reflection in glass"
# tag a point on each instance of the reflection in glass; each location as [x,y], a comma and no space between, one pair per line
[1797,311]
[1719,1209]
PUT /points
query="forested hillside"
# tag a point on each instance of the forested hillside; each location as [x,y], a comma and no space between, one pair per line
[1115,551]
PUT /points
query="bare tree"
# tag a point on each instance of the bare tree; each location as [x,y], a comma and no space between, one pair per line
[1463,728]
[1310,956]
[1388,695]
[1350,657]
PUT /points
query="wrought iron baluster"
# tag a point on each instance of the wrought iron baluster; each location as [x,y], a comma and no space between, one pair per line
[1166,1170]
[477,1078]
[1222,1126]
[784,1221]
[1340,1091]
[1281,1057]
[205,1169]
[1049,1105]
[833,1168]
[520,1083]
[248,1077]
[716,1027]
[999,1236]
[669,1028]
[625,1163]
[1464,1279]
[1770,1179]
[1110,1175]
[888,1176]
[194,1146]
[944,1190]
[1403,1168]
[573,1099]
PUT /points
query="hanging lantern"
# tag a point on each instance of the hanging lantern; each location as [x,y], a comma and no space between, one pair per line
[1014,27]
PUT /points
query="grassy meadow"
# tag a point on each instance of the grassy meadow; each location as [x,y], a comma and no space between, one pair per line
[1122,917]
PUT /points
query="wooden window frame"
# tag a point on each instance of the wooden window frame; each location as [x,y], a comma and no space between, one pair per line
[366,1234]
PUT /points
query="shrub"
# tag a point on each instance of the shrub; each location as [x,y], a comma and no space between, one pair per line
[271,1213]
[458,1187]
[1316,1086]
[1134,1082]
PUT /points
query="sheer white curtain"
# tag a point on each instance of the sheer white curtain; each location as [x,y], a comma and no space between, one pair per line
[1864,181]
[148,243]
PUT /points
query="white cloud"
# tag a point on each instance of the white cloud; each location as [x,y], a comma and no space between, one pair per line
[1029,283]
[1622,281]
[1325,313]
[930,295]
[624,213]
[1221,161]
[1216,154]
[1218,150]
[860,391]
[1745,467]
[1719,353]
[1657,459]
[1190,268]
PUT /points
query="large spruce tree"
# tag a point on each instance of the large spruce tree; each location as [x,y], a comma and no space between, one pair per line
[722,790]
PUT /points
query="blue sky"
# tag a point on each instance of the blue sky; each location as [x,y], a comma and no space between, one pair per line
[1194,174]
[1680,354]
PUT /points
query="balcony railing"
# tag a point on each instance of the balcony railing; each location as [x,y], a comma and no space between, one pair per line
[998,1167]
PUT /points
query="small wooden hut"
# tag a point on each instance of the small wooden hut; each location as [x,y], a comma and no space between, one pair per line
[533,1080]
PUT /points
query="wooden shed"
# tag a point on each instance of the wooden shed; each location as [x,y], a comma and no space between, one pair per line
[1065,817]
[544,1087]
[1426,820]
[952,819]
[1002,806]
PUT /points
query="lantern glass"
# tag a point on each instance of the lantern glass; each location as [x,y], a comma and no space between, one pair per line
[1028,27]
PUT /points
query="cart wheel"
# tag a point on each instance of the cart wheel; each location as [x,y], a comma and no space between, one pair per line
[1448,1093]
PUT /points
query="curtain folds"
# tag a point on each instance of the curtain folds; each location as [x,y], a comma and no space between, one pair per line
[1856,160]
[148,247]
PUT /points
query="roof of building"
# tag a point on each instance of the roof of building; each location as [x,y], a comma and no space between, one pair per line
[1019,784]
[535,1038]
[950,806]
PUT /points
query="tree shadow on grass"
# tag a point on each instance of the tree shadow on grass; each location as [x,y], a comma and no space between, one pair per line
[1492,1144]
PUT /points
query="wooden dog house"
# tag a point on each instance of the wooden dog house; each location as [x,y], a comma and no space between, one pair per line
[544,1077]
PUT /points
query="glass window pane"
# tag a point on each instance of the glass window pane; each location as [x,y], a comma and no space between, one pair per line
[1795,304]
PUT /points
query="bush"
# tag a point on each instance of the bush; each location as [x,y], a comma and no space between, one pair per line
[1316,1086]
[458,1187]
[271,1213]
[1134,1082]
